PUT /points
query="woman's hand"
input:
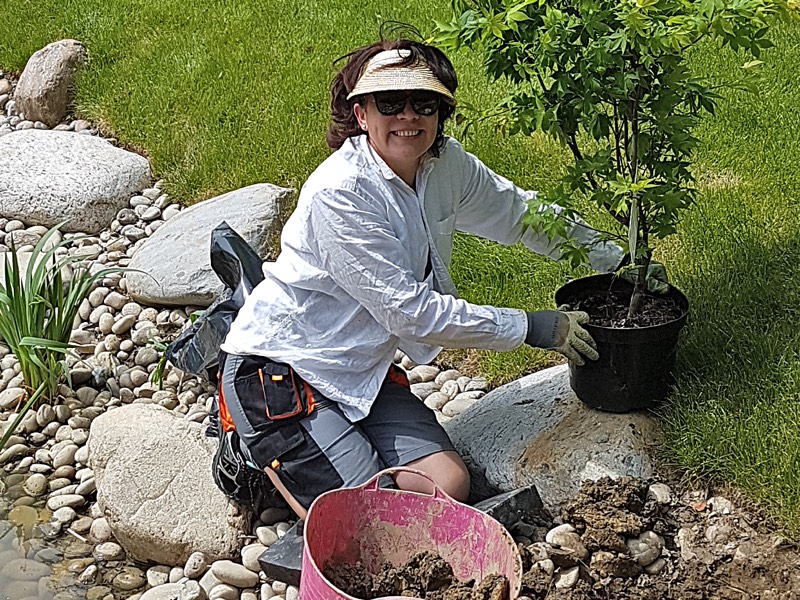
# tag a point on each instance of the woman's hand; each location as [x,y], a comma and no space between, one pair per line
[561,332]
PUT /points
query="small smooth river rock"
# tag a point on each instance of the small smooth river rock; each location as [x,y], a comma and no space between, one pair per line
[166,591]
[130,578]
[23,569]
[234,574]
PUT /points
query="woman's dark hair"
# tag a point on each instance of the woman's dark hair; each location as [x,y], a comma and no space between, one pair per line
[344,124]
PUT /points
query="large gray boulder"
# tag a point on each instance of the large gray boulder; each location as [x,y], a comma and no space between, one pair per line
[51,176]
[154,486]
[175,261]
[535,430]
[45,89]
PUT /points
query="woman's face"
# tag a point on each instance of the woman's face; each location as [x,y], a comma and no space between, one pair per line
[401,140]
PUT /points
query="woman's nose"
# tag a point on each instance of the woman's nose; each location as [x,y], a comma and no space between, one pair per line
[408,112]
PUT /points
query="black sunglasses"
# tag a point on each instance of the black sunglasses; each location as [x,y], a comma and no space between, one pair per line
[393,103]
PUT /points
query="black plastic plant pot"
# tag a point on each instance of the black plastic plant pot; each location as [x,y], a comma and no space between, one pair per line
[636,365]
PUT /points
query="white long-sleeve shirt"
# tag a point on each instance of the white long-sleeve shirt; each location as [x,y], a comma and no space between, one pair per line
[350,285]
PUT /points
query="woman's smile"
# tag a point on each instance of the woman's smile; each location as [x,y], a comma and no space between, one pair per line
[407,132]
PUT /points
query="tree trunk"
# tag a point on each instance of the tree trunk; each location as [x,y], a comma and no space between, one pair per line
[639,288]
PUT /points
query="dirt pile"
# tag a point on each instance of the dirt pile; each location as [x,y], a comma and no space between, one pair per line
[426,576]
[619,540]
[626,539]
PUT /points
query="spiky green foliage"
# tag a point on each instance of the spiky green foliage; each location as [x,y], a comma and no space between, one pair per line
[38,308]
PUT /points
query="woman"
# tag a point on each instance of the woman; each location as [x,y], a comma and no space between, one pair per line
[363,272]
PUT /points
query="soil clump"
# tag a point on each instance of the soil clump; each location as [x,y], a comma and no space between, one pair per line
[629,540]
[426,576]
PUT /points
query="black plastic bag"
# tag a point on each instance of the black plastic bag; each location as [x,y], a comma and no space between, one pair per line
[238,266]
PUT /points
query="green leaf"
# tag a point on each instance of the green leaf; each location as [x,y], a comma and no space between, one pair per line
[751,65]
[37,342]
[517,16]
[16,422]
[633,231]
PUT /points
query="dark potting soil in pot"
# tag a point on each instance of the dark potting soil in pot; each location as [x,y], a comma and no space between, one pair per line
[610,309]
[426,575]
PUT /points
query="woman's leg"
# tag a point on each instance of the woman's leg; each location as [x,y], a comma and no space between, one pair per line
[405,432]
[401,430]
[293,502]
[445,468]
[335,454]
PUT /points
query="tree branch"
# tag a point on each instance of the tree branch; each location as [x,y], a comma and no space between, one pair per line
[610,234]
[634,160]
[541,83]
[624,140]
[617,133]
[572,143]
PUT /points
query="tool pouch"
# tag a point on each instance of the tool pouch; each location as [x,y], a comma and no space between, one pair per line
[285,394]
[271,392]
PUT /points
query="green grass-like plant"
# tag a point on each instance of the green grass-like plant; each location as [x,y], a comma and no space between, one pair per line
[38,308]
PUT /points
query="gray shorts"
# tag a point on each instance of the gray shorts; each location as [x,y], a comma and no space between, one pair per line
[324,450]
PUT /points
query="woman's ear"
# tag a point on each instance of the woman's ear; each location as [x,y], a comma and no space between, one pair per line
[361,115]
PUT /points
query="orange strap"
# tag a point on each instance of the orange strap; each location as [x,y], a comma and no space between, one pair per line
[312,403]
[224,413]
[396,375]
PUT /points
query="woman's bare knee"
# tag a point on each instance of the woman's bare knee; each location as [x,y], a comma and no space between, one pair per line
[287,495]
[445,468]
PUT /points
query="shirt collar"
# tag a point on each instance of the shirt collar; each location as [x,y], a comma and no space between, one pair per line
[362,145]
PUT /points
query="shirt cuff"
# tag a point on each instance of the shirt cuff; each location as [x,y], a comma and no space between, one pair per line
[513,329]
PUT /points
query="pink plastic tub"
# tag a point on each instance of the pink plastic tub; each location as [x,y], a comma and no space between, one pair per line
[378,525]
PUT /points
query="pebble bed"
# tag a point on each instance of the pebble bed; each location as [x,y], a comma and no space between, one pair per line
[63,547]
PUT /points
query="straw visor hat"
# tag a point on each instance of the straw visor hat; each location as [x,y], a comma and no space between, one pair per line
[382,74]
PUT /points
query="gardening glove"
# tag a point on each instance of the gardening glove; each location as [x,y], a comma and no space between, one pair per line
[561,331]
[656,279]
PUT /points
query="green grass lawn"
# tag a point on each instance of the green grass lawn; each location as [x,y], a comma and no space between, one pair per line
[736,415]
[224,93]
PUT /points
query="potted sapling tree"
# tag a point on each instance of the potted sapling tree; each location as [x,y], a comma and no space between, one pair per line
[613,81]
